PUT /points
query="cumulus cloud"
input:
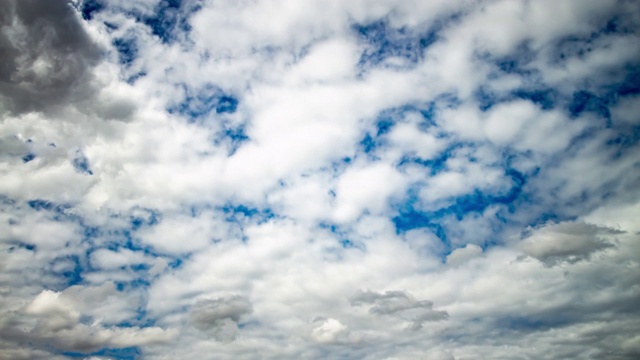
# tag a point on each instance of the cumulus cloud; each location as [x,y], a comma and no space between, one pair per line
[71,321]
[401,304]
[463,254]
[220,316]
[47,55]
[270,157]
[328,330]
[567,242]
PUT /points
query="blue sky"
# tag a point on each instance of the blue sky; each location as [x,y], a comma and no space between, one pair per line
[319,179]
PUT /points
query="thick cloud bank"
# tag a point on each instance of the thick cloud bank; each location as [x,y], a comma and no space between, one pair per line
[283,179]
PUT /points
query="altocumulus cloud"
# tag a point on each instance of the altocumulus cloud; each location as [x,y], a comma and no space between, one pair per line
[311,179]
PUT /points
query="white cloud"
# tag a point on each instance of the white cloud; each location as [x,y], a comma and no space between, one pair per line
[472,164]
[328,330]
[355,192]
[464,254]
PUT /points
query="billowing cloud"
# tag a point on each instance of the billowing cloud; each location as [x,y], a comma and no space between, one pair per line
[220,316]
[47,54]
[398,303]
[78,319]
[319,179]
[567,242]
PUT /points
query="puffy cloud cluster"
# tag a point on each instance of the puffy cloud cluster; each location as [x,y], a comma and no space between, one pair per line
[319,179]
[220,316]
[400,304]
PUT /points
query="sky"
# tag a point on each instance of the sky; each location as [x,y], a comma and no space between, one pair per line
[307,179]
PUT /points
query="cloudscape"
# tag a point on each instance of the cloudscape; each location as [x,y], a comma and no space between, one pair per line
[319,179]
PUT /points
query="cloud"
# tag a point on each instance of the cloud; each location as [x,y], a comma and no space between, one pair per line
[463,254]
[399,303]
[270,157]
[48,56]
[567,242]
[328,330]
[220,316]
[71,321]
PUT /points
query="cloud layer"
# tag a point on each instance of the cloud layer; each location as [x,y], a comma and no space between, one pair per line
[319,179]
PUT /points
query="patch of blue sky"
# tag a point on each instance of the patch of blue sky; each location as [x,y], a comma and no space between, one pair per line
[111,26]
[385,42]
[201,102]
[436,164]
[120,237]
[69,268]
[166,19]
[81,163]
[516,62]
[127,50]
[336,167]
[348,244]
[170,18]
[570,47]
[600,100]
[387,119]
[442,101]
[368,144]
[22,245]
[581,45]
[135,283]
[128,353]
[90,232]
[544,97]
[66,213]
[519,63]
[631,83]
[124,238]
[241,213]
[249,324]
[144,217]
[410,216]
[28,157]
[89,8]
[226,104]
[530,323]
[427,110]
[585,101]
[625,141]
[176,262]
[39,204]
[142,319]
[597,95]
[140,267]
[133,78]
[342,236]
[233,138]
[59,212]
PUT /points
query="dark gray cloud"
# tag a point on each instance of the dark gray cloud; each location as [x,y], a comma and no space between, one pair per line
[400,304]
[46,55]
[567,241]
[70,320]
[220,316]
